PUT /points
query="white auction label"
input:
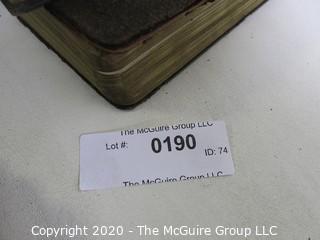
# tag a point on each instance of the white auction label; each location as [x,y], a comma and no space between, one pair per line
[166,153]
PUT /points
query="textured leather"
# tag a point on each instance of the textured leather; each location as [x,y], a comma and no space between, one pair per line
[116,22]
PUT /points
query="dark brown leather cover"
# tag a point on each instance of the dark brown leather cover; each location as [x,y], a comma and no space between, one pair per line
[114,23]
[111,23]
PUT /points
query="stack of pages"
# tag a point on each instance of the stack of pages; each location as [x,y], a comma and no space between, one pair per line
[127,48]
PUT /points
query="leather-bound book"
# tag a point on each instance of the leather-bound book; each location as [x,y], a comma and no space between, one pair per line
[127,48]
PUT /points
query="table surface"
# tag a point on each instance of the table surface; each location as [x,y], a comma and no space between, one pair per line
[262,79]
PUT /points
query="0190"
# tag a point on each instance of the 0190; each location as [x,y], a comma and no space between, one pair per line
[177,143]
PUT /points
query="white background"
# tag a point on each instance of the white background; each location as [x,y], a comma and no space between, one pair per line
[262,79]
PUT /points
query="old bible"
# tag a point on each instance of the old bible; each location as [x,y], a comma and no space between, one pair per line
[127,48]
